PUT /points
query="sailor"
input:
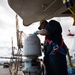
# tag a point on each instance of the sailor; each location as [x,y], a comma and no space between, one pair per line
[55,48]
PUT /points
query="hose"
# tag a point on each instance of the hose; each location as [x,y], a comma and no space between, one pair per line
[70,61]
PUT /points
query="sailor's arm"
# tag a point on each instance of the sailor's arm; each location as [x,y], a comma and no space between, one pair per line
[43,32]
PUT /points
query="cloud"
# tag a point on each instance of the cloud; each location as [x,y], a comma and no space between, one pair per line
[5,51]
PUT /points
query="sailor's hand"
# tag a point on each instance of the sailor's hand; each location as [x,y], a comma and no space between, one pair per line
[35,33]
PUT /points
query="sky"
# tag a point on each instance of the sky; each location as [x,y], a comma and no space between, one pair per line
[8,29]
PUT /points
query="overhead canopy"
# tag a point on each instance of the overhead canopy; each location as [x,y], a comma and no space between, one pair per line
[35,10]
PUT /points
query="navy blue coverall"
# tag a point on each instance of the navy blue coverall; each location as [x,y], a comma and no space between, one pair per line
[55,64]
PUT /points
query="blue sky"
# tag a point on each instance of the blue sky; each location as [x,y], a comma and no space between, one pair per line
[8,29]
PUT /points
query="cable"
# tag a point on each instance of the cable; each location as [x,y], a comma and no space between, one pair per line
[70,4]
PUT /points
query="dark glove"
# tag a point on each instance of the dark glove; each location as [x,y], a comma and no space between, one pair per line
[36,33]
